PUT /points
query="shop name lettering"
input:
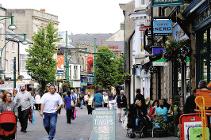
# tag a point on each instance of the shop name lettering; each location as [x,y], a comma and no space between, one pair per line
[162,29]
[166,1]
[103,122]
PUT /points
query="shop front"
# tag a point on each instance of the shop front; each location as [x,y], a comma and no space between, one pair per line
[199,15]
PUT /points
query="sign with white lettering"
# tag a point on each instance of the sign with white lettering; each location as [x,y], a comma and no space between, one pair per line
[161,3]
[103,124]
[162,27]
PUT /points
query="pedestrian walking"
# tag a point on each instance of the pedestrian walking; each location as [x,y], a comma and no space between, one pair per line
[121,104]
[37,101]
[67,101]
[51,102]
[98,99]
[81,99]
[105,99]
[90,103]
[24,102]
[73,103]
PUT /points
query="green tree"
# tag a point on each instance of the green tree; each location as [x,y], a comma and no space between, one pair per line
[40,63]
[108,68]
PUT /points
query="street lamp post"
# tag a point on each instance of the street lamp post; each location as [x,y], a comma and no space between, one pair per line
[94,80]
[67,75]
[14,73]
[12,25]
[14,61]
[24,42]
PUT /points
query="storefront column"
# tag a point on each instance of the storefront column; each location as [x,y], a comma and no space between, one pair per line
[208,55]
[199,62]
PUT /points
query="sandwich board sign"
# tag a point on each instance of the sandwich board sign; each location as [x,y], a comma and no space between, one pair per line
[103,124]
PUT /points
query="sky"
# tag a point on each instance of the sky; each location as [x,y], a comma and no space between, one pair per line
[77,16]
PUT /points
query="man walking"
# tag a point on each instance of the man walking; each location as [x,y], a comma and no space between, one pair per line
[51,102]
[24,102]
[98,99]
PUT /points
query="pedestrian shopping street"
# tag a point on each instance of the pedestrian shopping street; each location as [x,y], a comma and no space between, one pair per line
[79,129]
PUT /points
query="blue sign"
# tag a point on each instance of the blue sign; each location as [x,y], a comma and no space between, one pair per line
[60,72]
[103,124]
[157,50]
[162,27]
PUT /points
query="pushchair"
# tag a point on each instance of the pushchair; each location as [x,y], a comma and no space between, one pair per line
[137,125]
[8,125]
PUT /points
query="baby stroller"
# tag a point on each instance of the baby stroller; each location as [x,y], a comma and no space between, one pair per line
[8,125]
[137,124]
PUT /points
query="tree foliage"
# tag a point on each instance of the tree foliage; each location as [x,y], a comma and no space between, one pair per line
[108,68]
[40,63]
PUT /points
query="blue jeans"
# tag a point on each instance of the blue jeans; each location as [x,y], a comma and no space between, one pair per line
[49,122]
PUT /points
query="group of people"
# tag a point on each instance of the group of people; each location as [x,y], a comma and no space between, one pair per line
[145,113]
[107,100]
[95,100]
[22,104]
[50,104]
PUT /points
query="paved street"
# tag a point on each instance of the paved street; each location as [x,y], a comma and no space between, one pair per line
[80,129]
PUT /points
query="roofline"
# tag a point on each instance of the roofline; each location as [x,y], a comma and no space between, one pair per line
[35,10]
[3,8]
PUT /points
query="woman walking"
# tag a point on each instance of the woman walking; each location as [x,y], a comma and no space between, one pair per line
[90,103]
[67,101]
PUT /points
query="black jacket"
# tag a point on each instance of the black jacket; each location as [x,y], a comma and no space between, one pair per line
[121,101]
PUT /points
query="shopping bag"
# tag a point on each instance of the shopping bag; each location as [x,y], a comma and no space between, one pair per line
[74,114]
[33,117]
[30,115]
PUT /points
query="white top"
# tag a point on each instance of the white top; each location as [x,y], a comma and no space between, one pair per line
[90,100]
[24,99]
[37,99]
[86,97]
[105,98]
[51,102]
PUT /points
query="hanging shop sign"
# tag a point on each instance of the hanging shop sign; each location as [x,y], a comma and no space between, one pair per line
[160,62]
[157,50]
[178,34]
[162,27]
[161,3]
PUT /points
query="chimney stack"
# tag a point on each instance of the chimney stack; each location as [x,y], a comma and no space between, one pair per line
[42,10]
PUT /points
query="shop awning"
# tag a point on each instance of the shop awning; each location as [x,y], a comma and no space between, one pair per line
[160,62]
